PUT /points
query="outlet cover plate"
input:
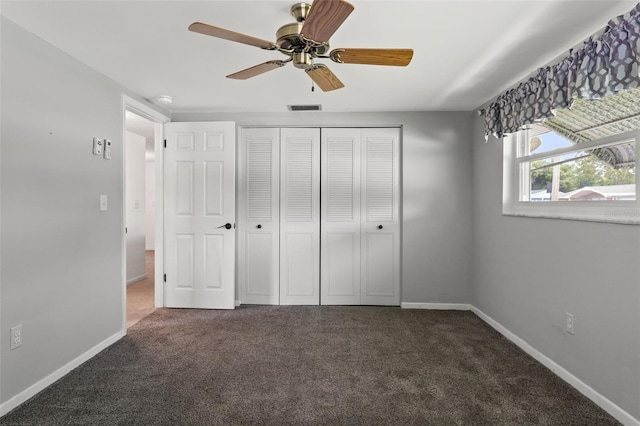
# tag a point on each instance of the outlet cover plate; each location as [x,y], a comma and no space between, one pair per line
[570,324]
[16,336]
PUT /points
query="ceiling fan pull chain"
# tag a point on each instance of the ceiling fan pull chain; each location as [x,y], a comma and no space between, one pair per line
[313,86]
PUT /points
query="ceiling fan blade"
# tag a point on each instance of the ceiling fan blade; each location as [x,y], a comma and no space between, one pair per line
[325,17]
[210,30]
[324,78]
[394,57]
[257,70]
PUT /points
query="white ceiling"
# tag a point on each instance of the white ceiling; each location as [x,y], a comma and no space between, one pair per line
[466,52]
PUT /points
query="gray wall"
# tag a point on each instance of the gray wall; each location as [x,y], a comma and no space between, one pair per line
[436,192]
[527,273]
[61,257]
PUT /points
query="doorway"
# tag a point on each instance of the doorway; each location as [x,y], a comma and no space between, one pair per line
[142,200]
[139,150]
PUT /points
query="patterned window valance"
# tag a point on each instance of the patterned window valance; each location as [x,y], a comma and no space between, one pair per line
[605,65]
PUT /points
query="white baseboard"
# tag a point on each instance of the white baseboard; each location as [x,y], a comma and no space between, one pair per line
[611,408]
[58,374]
[437,306]
[237,303]
[136,279]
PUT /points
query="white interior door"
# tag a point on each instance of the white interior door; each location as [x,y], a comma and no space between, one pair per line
[380,222]
[340,217]
[259,227]
[300,217]
[199,179]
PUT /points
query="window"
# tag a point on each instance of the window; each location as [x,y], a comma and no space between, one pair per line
[548,175]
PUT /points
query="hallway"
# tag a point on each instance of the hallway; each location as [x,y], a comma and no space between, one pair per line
[140,294]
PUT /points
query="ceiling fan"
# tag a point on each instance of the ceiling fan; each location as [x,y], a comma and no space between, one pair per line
[308,39]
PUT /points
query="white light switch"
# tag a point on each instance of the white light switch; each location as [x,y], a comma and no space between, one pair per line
[97,146]
[107,149]
[103,203]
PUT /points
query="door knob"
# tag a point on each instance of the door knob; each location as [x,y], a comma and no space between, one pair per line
[226,225]
[259,226]
[379,226]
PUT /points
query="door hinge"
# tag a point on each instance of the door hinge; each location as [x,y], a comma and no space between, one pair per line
[165,278]
[165,143]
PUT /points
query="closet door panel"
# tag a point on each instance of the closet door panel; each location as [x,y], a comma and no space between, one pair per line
[378,266]
[340,217]
[299,281]
[341,268]
[261,273]
[380,222]
[260,221]
[300,217]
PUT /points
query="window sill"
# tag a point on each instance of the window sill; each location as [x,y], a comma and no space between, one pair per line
[623,215]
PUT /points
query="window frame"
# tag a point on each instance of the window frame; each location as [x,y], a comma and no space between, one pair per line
[516,181]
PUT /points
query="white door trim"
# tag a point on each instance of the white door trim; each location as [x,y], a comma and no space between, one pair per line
[130,104]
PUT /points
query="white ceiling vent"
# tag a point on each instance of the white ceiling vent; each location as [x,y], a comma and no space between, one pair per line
[305,107]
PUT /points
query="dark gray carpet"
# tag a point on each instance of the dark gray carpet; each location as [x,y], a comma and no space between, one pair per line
[310,365]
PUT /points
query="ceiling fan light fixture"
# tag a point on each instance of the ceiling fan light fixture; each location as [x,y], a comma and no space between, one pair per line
[164,100]
[317,107]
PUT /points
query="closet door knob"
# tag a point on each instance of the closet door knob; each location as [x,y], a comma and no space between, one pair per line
[259,226]
[379,226]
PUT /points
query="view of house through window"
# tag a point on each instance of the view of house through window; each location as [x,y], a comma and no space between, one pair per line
[572,173]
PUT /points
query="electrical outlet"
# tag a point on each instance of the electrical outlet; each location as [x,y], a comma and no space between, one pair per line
[104,203]
[16,336]
[570,324]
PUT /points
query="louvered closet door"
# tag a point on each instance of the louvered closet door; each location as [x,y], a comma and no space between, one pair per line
[259,183]
[300,217]
[340,217]
[380,224]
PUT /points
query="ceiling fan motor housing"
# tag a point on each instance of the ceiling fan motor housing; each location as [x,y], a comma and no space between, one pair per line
[288,38]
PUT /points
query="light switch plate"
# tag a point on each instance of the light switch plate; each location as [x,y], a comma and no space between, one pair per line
[107,149]
[97,146]
[104,203]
